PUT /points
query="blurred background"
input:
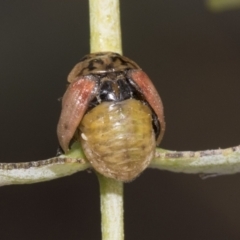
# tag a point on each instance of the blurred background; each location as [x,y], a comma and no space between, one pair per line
[190,50]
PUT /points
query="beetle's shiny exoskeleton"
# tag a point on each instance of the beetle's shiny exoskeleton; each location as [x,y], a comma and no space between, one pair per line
[113,109]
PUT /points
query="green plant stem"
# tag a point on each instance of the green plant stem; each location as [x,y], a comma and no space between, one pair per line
[111,192]
[105,30]
[105,35]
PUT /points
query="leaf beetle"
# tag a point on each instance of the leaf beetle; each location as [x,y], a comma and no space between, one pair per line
[114,110]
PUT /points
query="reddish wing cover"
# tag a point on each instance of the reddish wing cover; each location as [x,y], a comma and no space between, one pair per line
[150,93]
[74,105]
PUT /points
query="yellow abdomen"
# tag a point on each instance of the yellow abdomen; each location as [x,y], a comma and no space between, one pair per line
[118,138]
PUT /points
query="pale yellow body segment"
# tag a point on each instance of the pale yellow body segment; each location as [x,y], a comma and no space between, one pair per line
[118,138]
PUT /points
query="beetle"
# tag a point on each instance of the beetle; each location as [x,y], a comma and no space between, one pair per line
[112,107]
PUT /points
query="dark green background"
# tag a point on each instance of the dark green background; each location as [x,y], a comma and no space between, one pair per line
[192,56]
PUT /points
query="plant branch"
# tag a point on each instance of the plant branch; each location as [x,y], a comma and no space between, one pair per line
[213,162]
[111,192]
[105,30]
[105,35]
[44,170]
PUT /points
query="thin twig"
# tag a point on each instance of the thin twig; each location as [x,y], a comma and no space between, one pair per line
[111,192]
[216,162]
[106,36]
[105,30]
